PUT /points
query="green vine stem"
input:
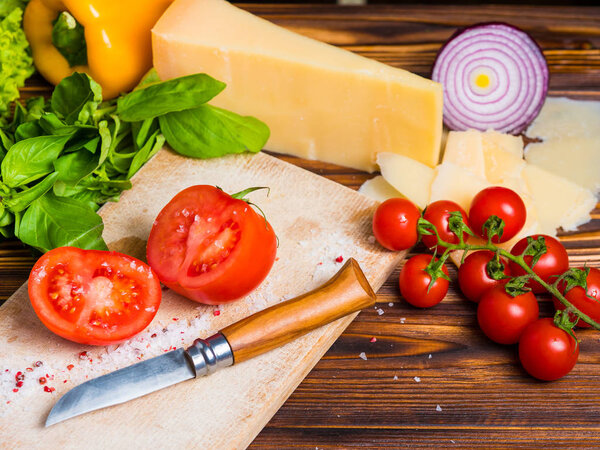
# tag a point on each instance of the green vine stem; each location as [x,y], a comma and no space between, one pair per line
[551,288]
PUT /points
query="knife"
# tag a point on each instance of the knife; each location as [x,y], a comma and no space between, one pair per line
[346,292]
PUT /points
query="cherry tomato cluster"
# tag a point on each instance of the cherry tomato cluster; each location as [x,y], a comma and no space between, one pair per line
[502,283]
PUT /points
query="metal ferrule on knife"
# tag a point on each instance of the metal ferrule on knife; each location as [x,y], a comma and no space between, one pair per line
[210,354]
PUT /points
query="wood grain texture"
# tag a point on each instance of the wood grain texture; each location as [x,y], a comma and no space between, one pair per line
[485,398]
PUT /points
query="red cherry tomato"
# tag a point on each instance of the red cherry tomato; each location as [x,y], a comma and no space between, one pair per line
[414,283]
[501,202]
[547,352]
[395,224]
[503,317]
[554,262]
[473,277]
[92,296]
[210,247]
[577,297]
[438,213]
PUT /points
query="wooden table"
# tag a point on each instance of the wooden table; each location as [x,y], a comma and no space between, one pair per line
[431,378]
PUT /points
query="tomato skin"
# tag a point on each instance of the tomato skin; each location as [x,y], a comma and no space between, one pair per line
[414,282]
[395,224]
[547,352]
[93,297]
[438,213]
[502,317]
[554,262]
[210,247]
[502,202]
[473,278]
[577,297]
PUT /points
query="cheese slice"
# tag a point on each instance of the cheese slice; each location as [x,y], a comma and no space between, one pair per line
[412,178]
[558,201]
[457,184]
[319,101]
[570,130]
[493,140]
[379,189]
[501,166]
[465,149]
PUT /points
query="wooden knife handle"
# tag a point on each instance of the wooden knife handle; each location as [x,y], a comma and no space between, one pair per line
[347,292]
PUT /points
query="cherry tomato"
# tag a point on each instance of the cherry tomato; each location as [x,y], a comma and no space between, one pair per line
[503,317]
[554,262]
[414,283]
[438,213]
[501,202]
[211,247]
[578,298]
[547,352]
[473,277]
[92,296]
[395,224]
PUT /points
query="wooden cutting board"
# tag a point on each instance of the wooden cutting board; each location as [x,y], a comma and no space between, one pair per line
[316,220]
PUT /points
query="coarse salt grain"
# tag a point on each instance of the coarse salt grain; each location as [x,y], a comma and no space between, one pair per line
[363,356]
[418,379]
[438,408]
[395,377]
[380,311]
[402,319]
[429,356]
[390,304]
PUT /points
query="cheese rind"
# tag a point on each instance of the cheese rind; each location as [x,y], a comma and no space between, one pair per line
[319,101]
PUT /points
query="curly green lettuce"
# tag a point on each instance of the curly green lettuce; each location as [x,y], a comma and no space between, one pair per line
[16,64]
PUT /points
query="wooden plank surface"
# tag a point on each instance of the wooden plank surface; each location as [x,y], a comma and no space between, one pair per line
[486,400]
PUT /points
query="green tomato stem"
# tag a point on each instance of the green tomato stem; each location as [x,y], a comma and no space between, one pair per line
[552,289]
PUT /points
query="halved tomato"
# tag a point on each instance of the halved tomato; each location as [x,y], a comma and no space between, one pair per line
[92,296]
[211,247]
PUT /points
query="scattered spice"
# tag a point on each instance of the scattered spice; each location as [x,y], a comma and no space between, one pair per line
[153,335]
[216,312]
[84,355]
[70,366]
[29,369]
[373,339]
[38,364]
[49,389]
[42,380]
[19,376]
[15,390]
[175,319]
[19,384]
[339,259]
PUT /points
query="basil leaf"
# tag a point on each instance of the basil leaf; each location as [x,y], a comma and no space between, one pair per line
[30,159]
[69,39]
[73,167]
[208,132]
[52,222]
[177,94]
[28,130]
[153,145]
[76,98]
[142,131]
[21,200]
[51,124]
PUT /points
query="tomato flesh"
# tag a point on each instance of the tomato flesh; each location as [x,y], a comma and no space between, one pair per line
[210,247]
[93,297]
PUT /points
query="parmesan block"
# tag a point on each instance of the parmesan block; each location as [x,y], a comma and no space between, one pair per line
[379,189]
[453,182]
[570,130]
[501,165]
[558,201]
[319,101]
[412,178]
[465,149]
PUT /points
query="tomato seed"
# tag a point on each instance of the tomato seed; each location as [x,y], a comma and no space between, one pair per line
[53,295]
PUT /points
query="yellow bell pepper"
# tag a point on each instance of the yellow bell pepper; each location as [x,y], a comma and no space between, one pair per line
[117,35]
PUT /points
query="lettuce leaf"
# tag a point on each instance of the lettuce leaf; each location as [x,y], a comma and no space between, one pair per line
[16,64]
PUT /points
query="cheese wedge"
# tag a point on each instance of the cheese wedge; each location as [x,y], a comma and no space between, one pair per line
[319,101]
[379,189]
[412,178]
[493,140]
[457,184]
[465,149]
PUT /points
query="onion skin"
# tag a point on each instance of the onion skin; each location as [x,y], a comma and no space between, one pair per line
[495,77]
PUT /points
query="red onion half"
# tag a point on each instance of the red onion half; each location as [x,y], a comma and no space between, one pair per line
[494,77]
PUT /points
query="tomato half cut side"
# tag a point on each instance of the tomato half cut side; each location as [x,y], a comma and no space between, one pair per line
[92,296]
[211,247]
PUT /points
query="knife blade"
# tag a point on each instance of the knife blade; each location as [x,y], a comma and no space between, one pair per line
[346,292]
